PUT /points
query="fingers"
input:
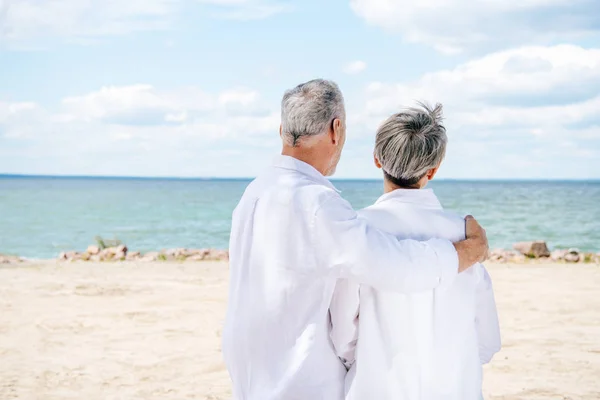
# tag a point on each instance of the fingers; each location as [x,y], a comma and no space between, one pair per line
[476,232]
[472,225]
[473,228]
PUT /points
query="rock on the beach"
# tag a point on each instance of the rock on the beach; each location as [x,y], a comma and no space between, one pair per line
[183,254]
[121,253]
[590,258]
[201,252]
[179,254]
[121,249]
[500,255]
[4,259]
[115,250]
[497,255]
[74,256]
[217,255]
[69,256]
[197,254]
[134,255]
[517,257]
[558,255]
[223,255]
[93,250]
[150,256]
[174,252]
[534,249]
[207,255]
[504,256]
[106,254]
[573,256]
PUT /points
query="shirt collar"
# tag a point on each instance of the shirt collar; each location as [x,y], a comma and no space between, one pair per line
[422,197]
[291,163]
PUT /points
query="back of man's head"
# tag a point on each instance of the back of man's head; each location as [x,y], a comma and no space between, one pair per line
[309,109]
[410,143]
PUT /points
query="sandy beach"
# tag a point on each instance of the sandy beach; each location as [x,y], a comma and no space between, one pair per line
[100,331]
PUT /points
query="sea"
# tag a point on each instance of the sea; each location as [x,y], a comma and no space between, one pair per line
[43,216]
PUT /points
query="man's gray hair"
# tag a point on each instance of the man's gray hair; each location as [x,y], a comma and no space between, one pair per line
[410,143]
[309,109]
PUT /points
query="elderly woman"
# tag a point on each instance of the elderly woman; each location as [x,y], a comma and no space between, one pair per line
[426,345]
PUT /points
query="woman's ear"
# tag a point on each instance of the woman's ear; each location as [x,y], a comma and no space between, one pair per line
[376,160]
[431,173]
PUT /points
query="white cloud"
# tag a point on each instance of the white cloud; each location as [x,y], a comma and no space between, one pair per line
[24,20]
[242,97]
[136,111]
[13,109]
[137,130]
[355,67]
[177,117]
[528,85]
[26,23]
[452,26]
[15,118]
[146,105]
[538,104]
[137,104]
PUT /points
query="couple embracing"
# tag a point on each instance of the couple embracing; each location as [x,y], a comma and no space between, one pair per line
[390,302]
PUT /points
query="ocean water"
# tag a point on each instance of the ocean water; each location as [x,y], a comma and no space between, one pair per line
[42,216]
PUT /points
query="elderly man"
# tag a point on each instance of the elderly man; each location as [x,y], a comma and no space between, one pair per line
[292,237]
[415,346]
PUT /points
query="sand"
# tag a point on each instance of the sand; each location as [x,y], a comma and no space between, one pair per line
[152,331]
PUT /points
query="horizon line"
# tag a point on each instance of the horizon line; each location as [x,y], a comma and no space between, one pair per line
[241,178]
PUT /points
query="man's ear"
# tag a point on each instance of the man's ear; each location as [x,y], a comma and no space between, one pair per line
[280,130]
[376,160]
[337,130]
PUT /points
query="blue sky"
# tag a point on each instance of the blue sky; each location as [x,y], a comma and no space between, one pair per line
[192,87]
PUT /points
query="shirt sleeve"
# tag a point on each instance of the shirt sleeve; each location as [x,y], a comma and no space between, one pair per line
[344,311]
[345,246]
[486,318]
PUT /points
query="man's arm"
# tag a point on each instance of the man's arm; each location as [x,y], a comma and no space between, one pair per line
[344,310]
[486,318]
[347,247]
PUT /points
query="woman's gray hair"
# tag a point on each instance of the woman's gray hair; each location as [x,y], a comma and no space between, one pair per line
[410,143]
[309,109]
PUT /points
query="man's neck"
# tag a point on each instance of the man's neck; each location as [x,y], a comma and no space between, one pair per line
[307,155]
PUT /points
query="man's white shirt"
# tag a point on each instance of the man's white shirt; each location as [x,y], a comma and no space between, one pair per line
[292,237]
[425,345]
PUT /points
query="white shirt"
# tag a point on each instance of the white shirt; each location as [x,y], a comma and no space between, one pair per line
[292,237]
[419,346]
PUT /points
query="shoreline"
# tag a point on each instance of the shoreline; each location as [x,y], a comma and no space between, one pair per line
[533,252]
[10,260]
